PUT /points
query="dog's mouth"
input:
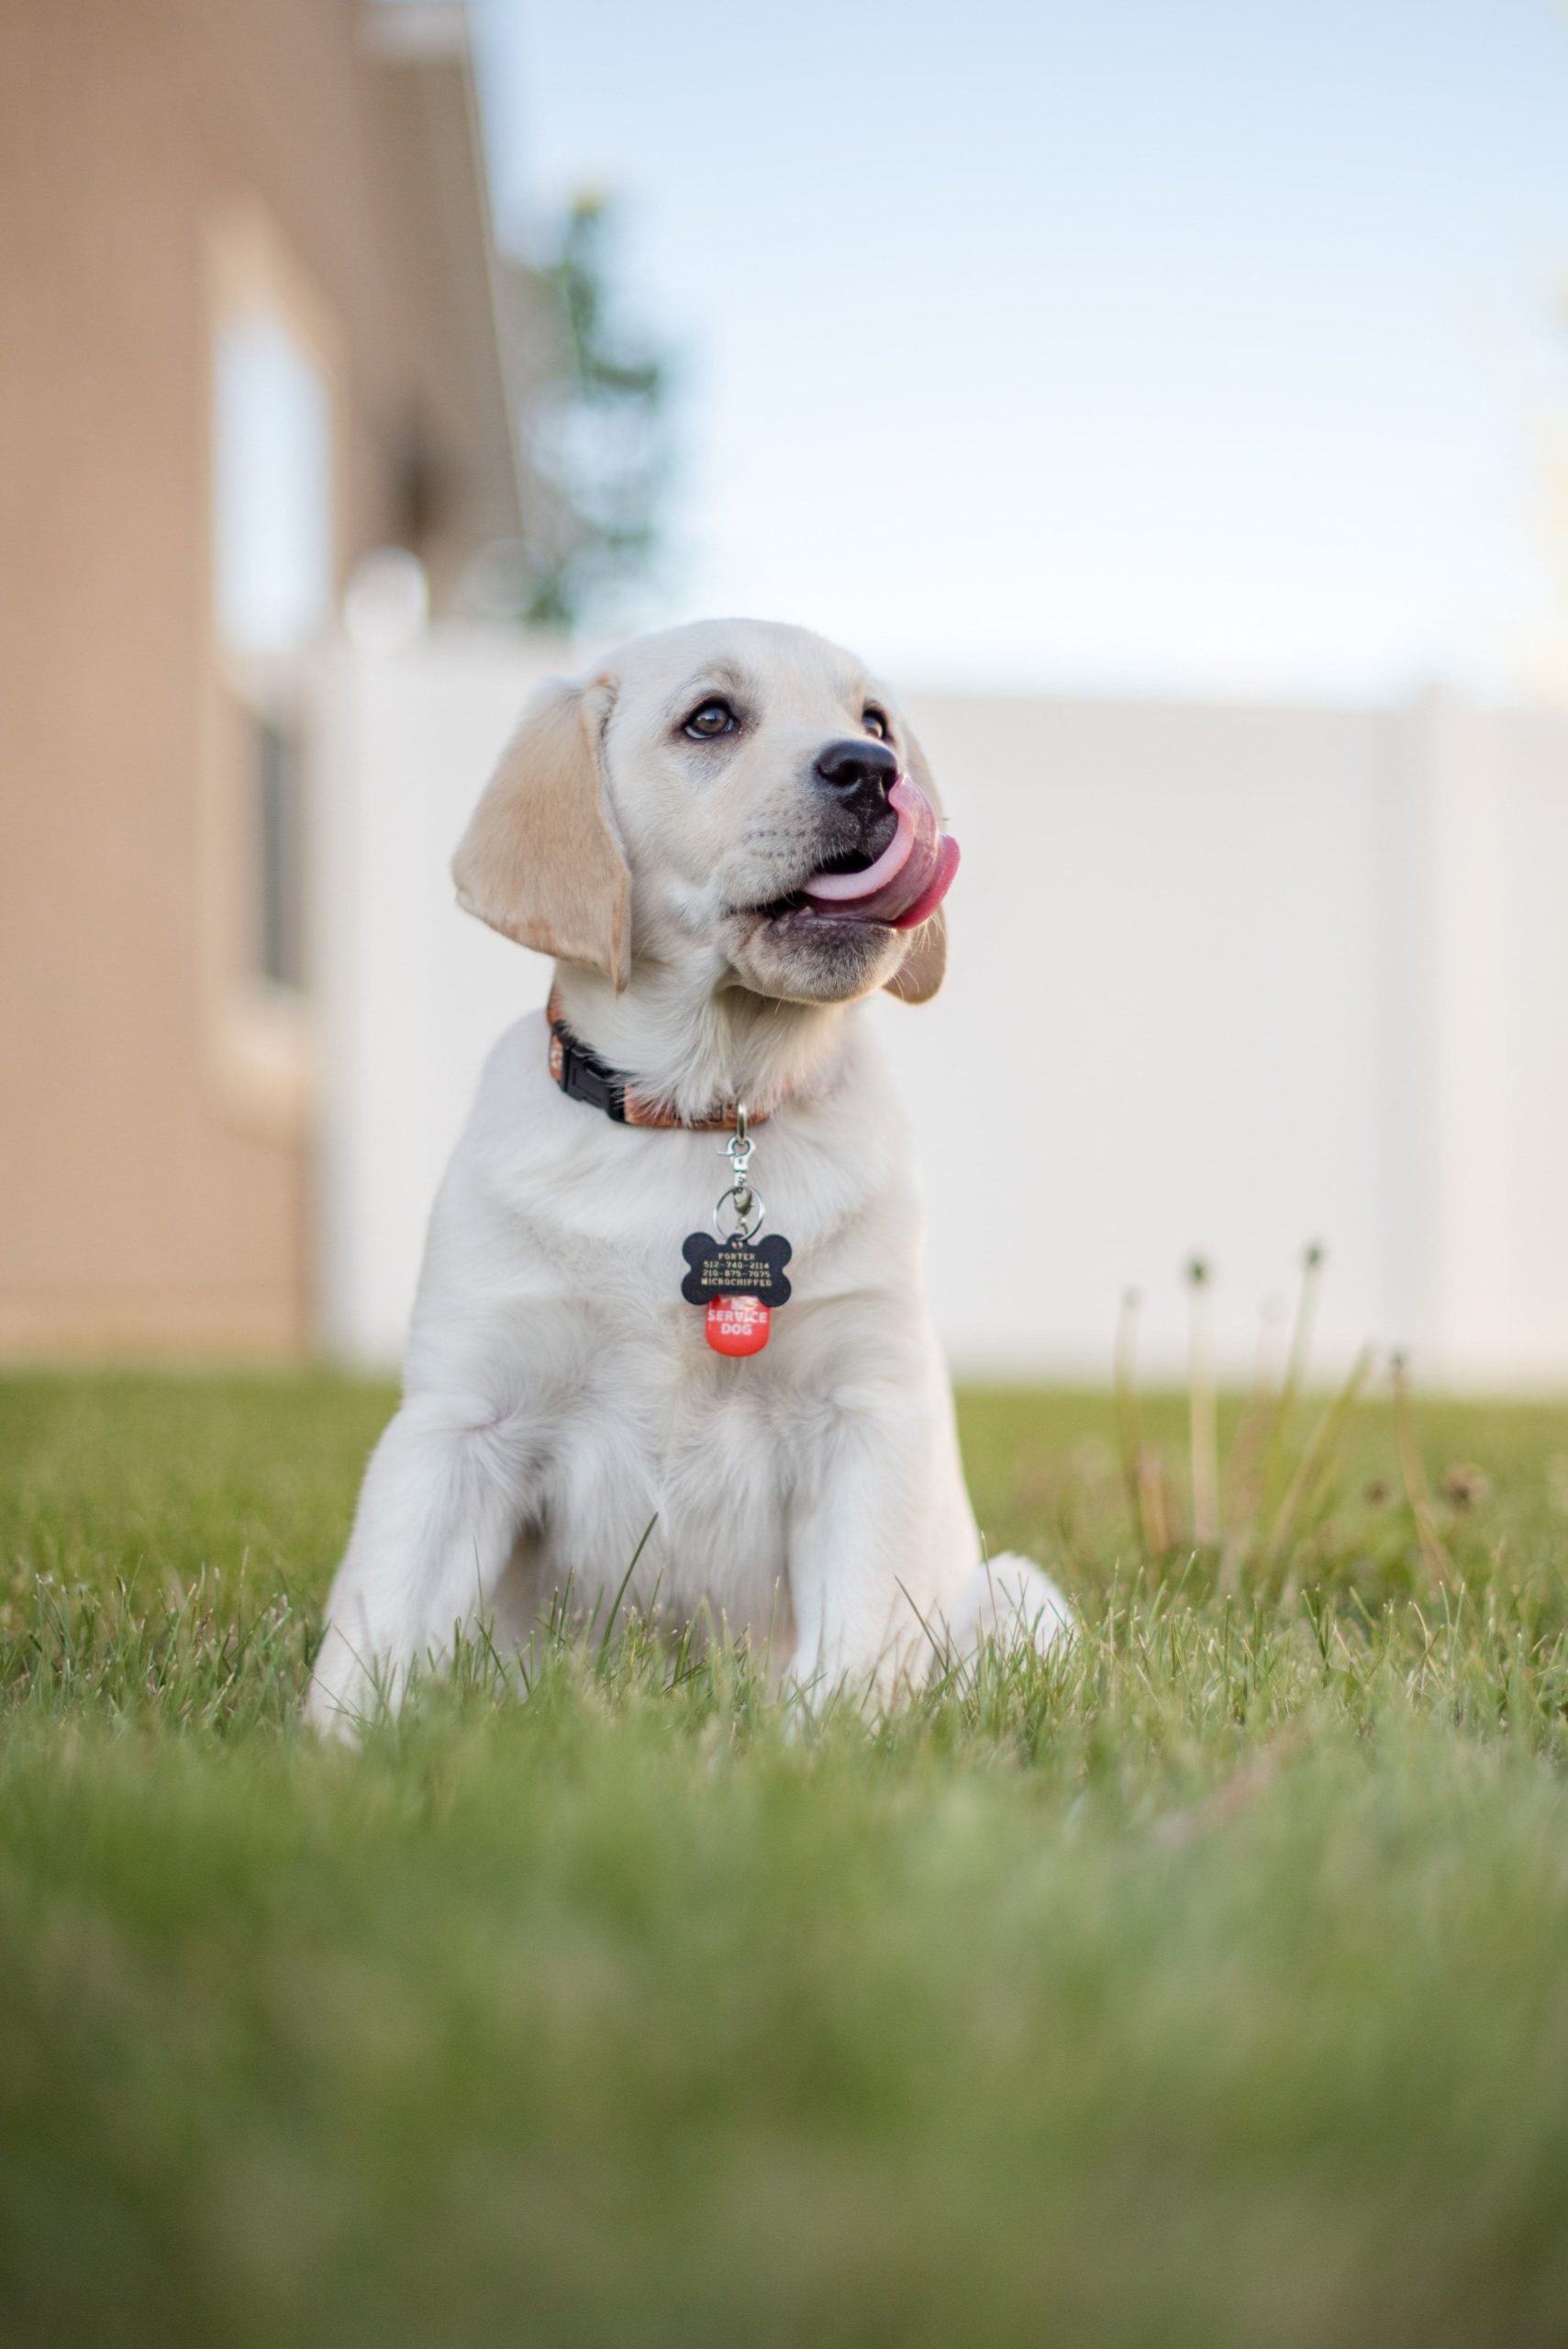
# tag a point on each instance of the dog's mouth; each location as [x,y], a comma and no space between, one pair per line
[899,888]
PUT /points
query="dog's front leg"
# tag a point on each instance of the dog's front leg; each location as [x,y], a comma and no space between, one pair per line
[860,1536]
[443,1497]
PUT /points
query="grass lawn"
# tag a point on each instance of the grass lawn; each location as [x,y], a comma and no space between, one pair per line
[1208,1985]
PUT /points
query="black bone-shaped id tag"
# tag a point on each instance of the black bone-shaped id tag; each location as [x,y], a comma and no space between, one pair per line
[739,1282]
[741,1278]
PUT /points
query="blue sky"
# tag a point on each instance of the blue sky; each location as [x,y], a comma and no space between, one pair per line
[1205,346]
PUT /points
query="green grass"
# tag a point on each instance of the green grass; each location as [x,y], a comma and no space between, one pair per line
[1208,1985]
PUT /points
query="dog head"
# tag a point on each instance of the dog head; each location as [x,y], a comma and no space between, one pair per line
[683,804]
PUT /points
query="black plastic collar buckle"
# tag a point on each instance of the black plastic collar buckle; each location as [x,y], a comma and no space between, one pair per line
[586,1077]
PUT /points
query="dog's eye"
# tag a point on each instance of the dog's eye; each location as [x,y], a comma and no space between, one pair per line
[875,723]
[710,719]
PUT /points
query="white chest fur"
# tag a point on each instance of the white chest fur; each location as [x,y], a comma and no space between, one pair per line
[561,1399]
[552,1295]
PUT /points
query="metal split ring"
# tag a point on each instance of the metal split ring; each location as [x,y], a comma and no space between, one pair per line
[749,1212]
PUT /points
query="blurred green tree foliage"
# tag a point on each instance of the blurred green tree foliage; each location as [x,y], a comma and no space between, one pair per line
[593,438]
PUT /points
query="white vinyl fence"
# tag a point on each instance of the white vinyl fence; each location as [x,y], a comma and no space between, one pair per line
[1223,978]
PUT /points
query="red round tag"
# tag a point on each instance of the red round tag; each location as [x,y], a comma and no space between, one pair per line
[737,1325]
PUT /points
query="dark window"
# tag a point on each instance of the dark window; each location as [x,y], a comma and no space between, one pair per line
[280,859]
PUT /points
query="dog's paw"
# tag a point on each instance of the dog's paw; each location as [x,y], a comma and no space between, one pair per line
[1011,1601]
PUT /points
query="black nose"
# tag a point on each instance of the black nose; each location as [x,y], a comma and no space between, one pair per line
[860,774]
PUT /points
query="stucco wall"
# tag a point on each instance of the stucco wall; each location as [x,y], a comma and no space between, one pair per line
[141,1201]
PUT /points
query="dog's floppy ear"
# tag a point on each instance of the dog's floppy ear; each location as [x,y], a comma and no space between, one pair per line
[924,967]
[539,861]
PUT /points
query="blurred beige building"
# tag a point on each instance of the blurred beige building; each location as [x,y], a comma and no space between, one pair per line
[248,335]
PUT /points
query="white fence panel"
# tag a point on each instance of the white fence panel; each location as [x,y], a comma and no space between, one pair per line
[1223,978]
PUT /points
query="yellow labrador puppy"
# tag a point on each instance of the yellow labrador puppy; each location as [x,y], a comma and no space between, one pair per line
[727,838]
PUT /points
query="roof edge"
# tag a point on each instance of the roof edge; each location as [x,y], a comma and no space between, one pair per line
[416,31]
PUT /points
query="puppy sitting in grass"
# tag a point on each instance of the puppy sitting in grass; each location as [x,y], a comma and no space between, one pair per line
[727,838]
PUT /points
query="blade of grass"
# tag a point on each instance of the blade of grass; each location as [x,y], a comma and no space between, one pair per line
[1317,1455]
[1203,1426]
[625,1585]
[1129,1422]
[1274,1473]
[1440,1564]
[1243,1484]
[1145,1486]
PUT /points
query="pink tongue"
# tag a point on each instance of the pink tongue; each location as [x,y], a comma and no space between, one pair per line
[909,880]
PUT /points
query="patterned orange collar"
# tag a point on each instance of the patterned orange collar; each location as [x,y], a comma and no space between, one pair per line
[579,1071]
